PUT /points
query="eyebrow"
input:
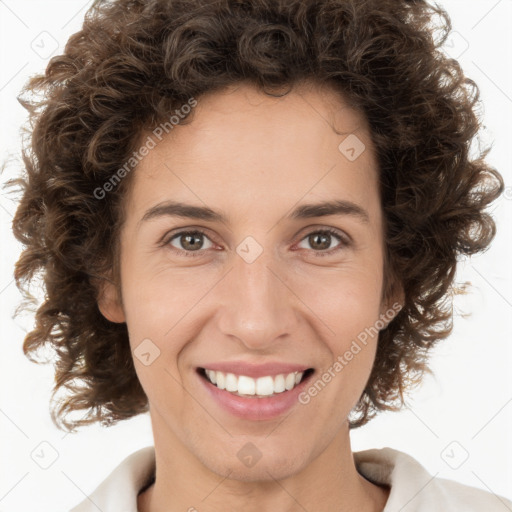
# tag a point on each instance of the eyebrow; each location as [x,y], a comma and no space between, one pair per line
[305,211]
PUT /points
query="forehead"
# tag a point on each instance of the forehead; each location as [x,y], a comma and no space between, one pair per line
[241,145]
[240,116]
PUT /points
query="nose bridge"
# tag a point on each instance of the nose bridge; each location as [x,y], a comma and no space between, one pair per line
[256,306]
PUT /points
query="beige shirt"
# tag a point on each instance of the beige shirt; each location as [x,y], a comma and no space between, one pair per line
[413,489]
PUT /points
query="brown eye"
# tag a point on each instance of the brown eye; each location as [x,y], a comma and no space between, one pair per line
[320,241]
[189,241]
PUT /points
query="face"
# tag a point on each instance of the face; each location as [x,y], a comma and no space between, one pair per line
[257,285]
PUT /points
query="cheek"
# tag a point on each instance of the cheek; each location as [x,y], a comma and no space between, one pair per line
[349,308]
[157,300]
[346,299]
[347,305]
[159,308]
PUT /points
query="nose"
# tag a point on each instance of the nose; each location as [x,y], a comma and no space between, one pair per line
[256,306]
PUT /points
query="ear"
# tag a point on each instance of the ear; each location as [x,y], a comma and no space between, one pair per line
[392,303]
[109,301]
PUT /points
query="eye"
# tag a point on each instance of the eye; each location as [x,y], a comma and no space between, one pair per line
[320,240]
[189,242]
[192,242]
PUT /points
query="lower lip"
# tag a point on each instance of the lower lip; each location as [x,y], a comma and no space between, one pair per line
[254,408]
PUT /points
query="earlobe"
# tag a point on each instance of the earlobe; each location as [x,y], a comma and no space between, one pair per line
[109,302]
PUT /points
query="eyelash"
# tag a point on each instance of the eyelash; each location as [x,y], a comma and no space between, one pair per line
[344,242]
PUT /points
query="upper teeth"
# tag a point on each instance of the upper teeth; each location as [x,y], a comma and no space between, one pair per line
[262,386]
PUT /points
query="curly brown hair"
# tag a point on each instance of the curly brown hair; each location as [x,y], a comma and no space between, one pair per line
[135,61]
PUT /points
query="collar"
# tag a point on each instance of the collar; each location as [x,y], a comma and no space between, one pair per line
[413,488]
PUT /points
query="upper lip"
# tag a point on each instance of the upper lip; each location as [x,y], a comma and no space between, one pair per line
[255,370]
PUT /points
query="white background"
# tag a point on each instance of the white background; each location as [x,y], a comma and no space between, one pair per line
[464,411]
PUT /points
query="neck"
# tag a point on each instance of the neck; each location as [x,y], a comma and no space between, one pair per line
[330,482]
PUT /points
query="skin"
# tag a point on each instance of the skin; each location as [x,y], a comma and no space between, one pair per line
[254,158]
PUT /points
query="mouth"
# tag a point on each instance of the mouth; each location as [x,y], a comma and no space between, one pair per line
[267,386]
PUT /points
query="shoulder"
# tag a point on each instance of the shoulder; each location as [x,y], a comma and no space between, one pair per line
[414,489]
[118,492]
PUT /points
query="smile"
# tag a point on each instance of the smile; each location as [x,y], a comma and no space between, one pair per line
[245,386]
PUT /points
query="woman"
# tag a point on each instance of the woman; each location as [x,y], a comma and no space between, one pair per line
[249,217]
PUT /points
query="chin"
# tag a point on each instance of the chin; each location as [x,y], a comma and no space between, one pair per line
[263,471]
[254,461]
